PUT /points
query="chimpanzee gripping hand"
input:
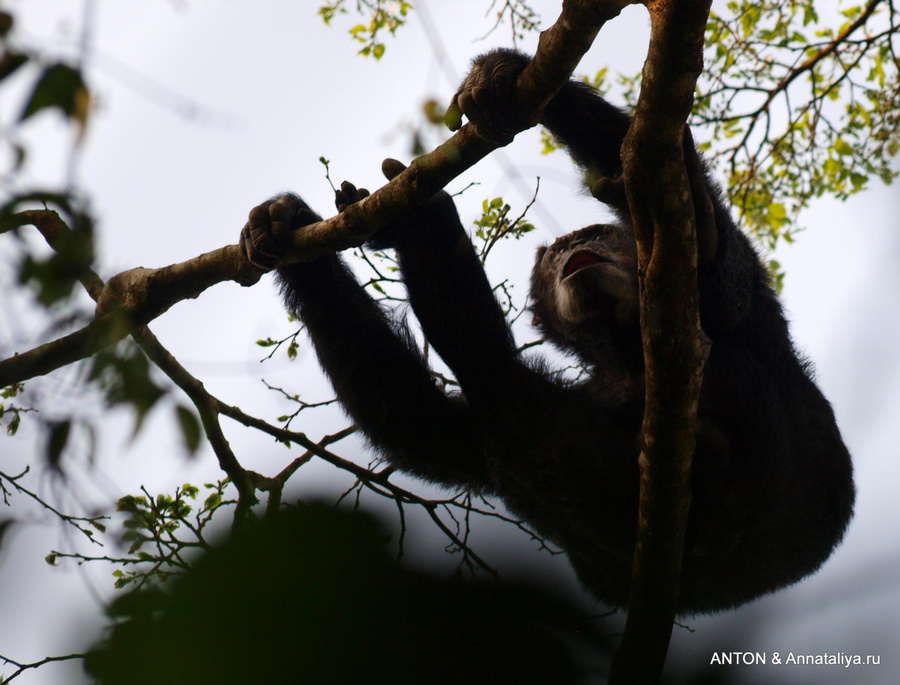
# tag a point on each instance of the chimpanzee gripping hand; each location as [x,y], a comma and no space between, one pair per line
[487,97]
[434,222]
[265,235]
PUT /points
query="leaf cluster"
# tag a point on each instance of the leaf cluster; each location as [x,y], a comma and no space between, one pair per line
[520,15]
[495,225]
[382,15]
[162,533]
[799,104]
[10,412]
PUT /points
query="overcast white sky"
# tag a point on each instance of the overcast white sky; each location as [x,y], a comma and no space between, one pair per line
[205,108]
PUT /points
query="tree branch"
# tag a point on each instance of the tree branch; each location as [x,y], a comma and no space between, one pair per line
[126,302]
[245,480]
[560,49]
[21,668]
[140,295]
[813,60]
[660,198]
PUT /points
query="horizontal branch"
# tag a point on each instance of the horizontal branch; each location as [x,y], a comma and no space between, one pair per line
[134,298]
[128,301]
[560,49]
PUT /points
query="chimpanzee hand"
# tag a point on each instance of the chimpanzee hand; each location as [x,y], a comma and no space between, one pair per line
[264,236]
[488,96]
[347,195]
[423,222]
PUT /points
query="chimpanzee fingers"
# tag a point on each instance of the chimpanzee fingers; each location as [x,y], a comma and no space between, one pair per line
[468,106]
[348,195]
[473,103]
[611,192]
[484,112]
[282,217]
[254,246]
[263,236]
[391,168]
[259,216]
[453,116]
[344,196]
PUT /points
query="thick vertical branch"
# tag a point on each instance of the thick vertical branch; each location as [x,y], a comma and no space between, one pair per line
[675,349]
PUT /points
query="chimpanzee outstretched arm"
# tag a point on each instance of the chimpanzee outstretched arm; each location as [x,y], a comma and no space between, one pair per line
[451,296]
[379,377]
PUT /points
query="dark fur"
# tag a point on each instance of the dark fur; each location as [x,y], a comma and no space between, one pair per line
[772,480]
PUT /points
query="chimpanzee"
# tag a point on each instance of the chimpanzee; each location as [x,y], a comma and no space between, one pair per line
[772,480]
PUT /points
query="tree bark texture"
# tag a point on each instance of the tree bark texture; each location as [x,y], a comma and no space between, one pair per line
[675,349]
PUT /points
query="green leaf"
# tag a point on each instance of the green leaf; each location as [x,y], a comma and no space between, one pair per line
[11,391]
[190,428]
[858,180]
[62,87]
[842,148]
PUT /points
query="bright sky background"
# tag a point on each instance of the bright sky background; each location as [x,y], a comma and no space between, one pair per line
[205,108]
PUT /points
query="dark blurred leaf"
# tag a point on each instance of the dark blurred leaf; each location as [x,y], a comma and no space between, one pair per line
[5,526]
[190,428]
[10,62]
[60,86]
[312,596]
[6,23]
[71,261]
[124,373]
[59,436]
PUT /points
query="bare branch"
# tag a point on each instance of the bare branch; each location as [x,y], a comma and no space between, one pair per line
[128,301]
[246,481]
[21,668]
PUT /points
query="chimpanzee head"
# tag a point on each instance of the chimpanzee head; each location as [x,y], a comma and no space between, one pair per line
[584,293]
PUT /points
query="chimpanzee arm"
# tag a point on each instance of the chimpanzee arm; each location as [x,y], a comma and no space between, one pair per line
[379,377]
[592,130]
[451,296]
